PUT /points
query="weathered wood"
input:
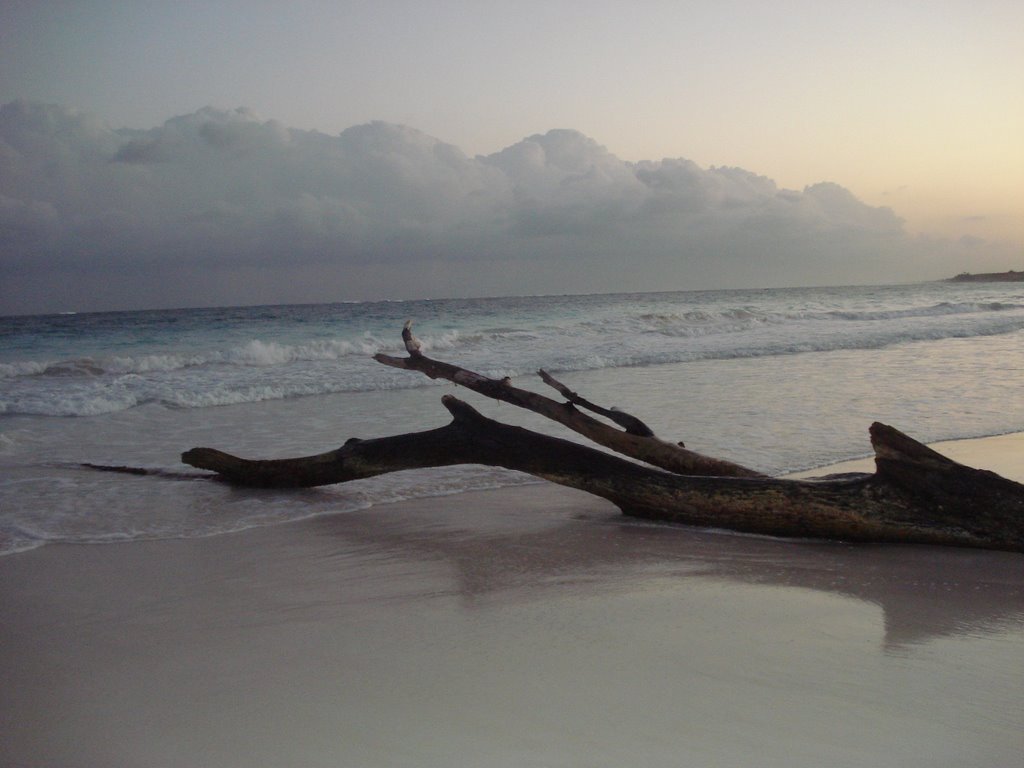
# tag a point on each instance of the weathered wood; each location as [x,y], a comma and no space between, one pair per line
[648,448]
[916,495]
[627,421]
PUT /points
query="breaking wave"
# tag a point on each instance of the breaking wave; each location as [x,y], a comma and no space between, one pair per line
[256,353]
[201,360]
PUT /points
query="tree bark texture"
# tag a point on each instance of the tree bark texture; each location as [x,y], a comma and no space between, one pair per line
[915,495]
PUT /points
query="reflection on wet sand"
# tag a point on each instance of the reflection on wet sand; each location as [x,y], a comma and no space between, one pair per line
[533,626]
[924,592]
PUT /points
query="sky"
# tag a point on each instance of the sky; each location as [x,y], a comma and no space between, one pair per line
[168,154]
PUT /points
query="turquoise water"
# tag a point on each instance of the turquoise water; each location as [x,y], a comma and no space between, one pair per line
[780,379]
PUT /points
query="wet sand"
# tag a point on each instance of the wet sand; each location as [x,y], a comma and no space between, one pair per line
[525,627]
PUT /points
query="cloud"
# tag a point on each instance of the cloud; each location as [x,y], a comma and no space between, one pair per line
[220,207]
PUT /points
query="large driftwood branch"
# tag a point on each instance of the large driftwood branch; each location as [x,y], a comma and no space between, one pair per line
[916,494]
[637,441]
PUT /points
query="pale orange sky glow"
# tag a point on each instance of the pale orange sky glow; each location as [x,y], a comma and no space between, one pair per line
[916,106]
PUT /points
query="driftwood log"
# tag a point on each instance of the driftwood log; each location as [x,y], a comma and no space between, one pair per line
[915,494]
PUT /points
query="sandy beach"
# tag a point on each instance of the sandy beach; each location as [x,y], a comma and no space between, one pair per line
[532,626]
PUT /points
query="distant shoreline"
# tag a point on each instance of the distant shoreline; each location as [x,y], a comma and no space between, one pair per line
[1011,276]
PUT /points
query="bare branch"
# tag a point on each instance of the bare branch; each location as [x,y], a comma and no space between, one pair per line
[628,422]
[647,448]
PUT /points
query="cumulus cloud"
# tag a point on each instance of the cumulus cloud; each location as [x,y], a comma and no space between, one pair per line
[222,207]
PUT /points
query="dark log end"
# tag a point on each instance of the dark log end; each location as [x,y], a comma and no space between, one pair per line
[394,362]
[460,410]
[206,458]
[948,495]
[630,423]
[891,444]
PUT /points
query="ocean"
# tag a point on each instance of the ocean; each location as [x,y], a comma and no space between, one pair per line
[777,379]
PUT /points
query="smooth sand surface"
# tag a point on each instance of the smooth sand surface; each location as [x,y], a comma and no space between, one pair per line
[531,626]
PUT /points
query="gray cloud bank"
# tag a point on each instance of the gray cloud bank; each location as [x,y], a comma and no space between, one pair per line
[219,207]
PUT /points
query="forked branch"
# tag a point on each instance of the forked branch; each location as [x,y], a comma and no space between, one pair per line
[635,440]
